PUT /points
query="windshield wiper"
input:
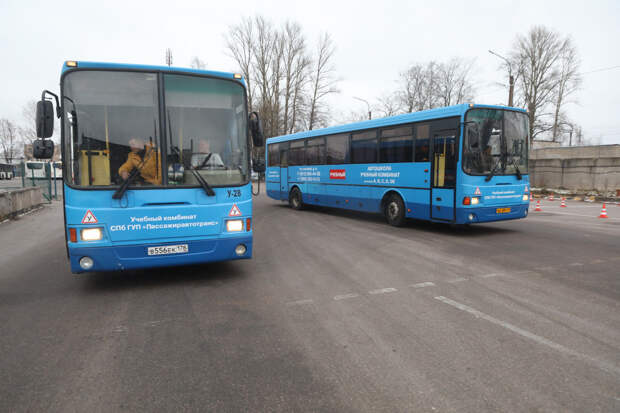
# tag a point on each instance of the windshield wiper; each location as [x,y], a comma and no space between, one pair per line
[205,185]
[490,175]
[132,176]
[514,163]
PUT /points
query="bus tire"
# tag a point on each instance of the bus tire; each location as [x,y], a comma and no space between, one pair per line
[394,210]
[295,200]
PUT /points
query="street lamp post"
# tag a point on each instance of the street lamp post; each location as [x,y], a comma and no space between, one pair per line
[511,78]
[367,104]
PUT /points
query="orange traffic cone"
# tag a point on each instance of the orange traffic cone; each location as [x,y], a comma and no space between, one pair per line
[563,204]
[538,206]
[532,199]
[603,212]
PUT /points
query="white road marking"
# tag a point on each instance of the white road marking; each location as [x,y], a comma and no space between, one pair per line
[457,280]
[493,274]
[575,264]
[601,364]
[544,268]
[597,261]
[383,291]
[422,285]
[346,296]
[578,215]
[300,302]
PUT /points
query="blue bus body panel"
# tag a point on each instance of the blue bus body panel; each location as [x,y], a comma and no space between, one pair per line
[156,217]
[363,186]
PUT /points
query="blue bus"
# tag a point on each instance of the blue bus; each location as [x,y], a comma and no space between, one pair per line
[156,164]
[459,164]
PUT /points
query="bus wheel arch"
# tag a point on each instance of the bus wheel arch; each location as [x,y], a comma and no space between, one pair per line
[393,208]
[295,199]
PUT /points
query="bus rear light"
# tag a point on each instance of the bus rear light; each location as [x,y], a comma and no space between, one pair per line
[467,201]
[248,224]
[72,234]
[234,225]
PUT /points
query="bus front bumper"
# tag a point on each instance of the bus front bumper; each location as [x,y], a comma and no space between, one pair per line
[491,214]
[131,257]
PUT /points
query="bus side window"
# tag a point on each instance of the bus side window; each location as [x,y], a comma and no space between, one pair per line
[422,136]
[364,147]
[297,153]
[274,155]
[338,149]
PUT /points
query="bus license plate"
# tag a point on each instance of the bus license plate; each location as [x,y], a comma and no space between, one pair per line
[502,210]
[168,249]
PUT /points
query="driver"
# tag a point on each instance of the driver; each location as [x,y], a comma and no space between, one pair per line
[204,158]
[140,151]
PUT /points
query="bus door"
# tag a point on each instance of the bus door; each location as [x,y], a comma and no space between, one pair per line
[284,174]
[443,166]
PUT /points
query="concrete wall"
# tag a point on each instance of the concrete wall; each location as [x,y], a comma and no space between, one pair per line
[15,201]
[580,169]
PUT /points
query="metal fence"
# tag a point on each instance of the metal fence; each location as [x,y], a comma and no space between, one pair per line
[43,175]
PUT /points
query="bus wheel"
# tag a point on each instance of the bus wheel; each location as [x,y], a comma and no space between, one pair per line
[394,211]
[295,200]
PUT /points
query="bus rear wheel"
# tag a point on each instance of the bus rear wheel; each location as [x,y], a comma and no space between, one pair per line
[394,211]
[295,199]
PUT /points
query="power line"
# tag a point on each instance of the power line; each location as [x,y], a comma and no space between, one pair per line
[601,70]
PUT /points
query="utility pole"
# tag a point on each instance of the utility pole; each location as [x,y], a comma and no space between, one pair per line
[169,57]
[510,77]
[368,106]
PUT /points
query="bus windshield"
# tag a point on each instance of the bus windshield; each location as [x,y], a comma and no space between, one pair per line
[112,130]
[495,142]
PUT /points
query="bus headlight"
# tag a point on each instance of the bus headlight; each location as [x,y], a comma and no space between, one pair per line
[91,234]
[526,198]
[240,249]
[475,200]
[234,225]
[86,263]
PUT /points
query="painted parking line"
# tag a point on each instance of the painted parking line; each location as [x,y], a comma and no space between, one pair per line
[300,302]
[601,364]
[491,275]
[382,291]
[456,280]
[346,296]
[423,285]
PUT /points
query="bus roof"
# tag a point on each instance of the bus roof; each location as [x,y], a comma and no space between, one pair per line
[445,112]
[129,66]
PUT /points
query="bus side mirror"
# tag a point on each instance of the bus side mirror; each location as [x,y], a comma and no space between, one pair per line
[258,165]
[45,119]
[256,129]
[43,148]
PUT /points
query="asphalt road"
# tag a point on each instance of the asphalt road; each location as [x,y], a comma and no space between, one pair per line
[336,312]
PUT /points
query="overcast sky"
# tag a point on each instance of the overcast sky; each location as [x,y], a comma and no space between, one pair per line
[374,40]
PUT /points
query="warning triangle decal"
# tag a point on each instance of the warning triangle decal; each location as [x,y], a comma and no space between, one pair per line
[526,189]
[477,192]
[89,218]
[234,211]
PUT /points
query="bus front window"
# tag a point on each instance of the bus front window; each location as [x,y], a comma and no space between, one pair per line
[206,126]
[495,142]
[111,128]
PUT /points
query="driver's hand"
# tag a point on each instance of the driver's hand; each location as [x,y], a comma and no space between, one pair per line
[124,175]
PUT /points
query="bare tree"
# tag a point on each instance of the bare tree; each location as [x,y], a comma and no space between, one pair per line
[295,71]
[28,131]
[197,63]
[411,88]
[388,104]
[536,55]
[9,141]
[323,81]
[569,81]
[240,45]
[455,85]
